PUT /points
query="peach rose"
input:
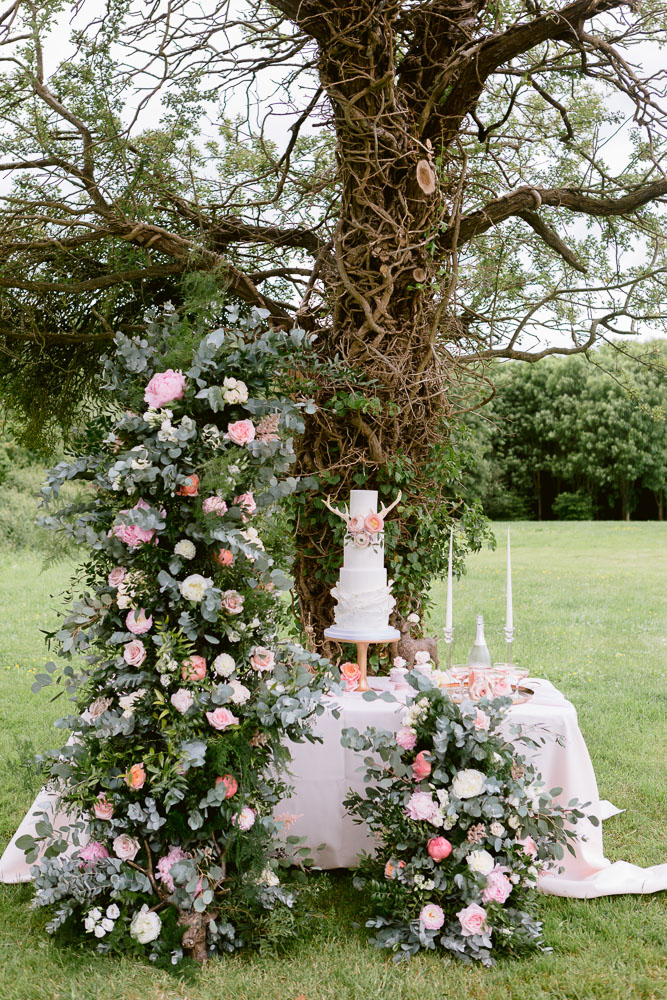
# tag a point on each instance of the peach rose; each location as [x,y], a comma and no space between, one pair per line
[134,653]
[439,848]
[262,659]
[472,920]
[373,523]
[421,768]
[224,557]
[194,668]
[230,783]
[232,602]
[190,487]
[241,432]
[165,387]
[389,869]
[221,718]
[103,809]
[136,777]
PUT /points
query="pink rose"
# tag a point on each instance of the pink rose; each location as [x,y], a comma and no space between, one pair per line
[182,700]
[246,502]
[134,653]
[422,657]
[420,806]
[136,777]
[262,659]
[480,687]
[355,524]
[137,622]
[103,809]
[164,387]
[214,505]
[245,819]
[498,886]
[241,432]
[132,534]
[232,602]
[432,917]
[373,523]
[421,768]
[502,687]
[528,846]
[117,575]
[91,854]
[165,865]
[230,783]
[482,721]
[406,738]
[125,847]
[362,539]
[224,557]
[194,668]
[190,487]
[472,920]
[439,848]
[221,718]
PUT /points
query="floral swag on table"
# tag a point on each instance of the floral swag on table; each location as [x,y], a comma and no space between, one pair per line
[464,827]
[183,694]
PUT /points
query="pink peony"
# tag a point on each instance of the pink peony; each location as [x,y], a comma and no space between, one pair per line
[134,653]
[164,387]
[165,865]
[137,622]
[182,700]
[125,847]
[241,432]
[214,505]
[103,809]
[373,523]
[232,602]
[421,768]
[420,806]
[480,687]
[117,575]
[194,668]
[245,819]
[472,920]
[224,557]
[91,854]
[355,524]
[439,848]
[221,718]
[136,777]
[262,659]
[190,487]
[528,846]
[246,502]
[432,917]
[498,886]
[230,783]
[482,721]
[406,738]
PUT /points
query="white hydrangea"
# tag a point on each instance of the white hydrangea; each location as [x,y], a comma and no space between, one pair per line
[269,877]
[195,586]
[234,391]
[145,926]
[165,680]
[185,549]
[224,665]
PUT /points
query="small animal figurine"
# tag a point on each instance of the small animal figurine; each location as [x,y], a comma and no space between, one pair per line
[406,646]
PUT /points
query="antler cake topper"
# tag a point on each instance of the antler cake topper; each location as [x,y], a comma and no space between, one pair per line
[345,513]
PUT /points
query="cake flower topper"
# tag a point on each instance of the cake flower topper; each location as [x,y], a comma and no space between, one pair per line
[363,530]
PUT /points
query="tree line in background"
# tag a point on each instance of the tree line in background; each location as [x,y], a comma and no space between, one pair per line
[574,438]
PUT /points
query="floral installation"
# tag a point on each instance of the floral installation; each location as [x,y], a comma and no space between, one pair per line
[182,694]
[464,827]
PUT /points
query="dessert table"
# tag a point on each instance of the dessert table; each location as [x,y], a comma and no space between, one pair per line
[324,772]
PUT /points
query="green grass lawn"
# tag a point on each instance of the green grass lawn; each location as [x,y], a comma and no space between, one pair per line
[590,606]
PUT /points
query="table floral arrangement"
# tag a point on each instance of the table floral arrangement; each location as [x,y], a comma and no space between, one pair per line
[463,826]
[182,696]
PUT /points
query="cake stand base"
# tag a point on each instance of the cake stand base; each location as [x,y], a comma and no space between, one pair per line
[362,641]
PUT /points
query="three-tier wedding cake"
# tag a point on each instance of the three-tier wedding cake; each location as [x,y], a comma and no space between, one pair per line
[363,594]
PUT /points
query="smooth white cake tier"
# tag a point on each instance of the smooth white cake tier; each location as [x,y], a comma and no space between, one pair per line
[355,581]
[364,611]
[372,557]
[363,502]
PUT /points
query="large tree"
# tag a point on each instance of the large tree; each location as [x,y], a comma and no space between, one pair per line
[426,185]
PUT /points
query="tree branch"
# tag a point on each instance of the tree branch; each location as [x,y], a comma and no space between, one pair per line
[552,239]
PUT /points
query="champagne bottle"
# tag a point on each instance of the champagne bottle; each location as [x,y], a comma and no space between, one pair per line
[479,654]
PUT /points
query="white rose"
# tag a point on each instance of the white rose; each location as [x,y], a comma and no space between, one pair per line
[468,783]
[450,822]
[123,600]
[224,665]
[240,692]
[145,926]
[185,548]
[194,587]
[187,423]
[113,912]
[89,924]
[497,829]
[413,618]
[443,797]
[107,924]
[182,700]
[99,931]
[125,847]
[514,821]
[480,861]
[235,391]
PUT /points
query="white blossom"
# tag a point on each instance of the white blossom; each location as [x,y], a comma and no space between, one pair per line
[145,926]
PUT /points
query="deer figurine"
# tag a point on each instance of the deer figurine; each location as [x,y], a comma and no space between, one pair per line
[406,646]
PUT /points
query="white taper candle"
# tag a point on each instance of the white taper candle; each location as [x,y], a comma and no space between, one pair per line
[510,620]
[448,617]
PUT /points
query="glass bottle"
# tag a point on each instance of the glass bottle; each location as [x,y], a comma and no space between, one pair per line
[479,654]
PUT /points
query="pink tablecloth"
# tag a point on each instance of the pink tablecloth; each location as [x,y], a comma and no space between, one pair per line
[323,773]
